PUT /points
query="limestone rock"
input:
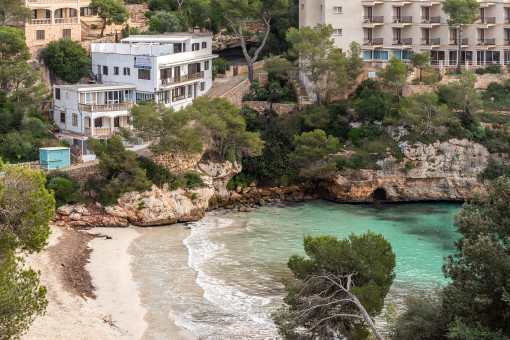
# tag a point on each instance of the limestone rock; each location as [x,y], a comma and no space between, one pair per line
[66,210]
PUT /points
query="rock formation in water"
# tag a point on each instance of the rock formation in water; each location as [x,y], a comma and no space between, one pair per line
[447,171]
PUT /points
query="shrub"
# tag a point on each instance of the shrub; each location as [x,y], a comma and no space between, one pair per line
[127,31]
[361,160]
[239,180]
[67,59]
[494,69]
[149,14]
[220,66]
[163,22]
[64,190]
[159,175]
[481,71]
[494,170]
[193,180]
[93,26]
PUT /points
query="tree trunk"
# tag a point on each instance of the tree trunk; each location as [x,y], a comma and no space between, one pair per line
[460,50]
[367,317]
[104,26]
[249,63]
[420,74]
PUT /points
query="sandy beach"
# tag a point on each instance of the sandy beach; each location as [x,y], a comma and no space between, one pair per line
[88,299]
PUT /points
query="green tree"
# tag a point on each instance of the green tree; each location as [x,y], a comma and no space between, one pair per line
[424,113]
[460,14]
[374,104]
[345,68]
[237,12]
[311,150]
[313,45]
[13,12]
[67,59]
[26,208]
[394,76]
[120,167]
[64,190]
[421,61]
[340,287]
[111,11]
[165,22]
[479,291]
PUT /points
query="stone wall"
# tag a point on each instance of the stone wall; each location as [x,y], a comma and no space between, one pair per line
[236,94]
[281,109]
[176,163]
[409,90]
[241,69]
[258,106]
[84,171]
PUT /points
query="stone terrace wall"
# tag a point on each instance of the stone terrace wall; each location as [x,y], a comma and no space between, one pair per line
[236,94]
[84,171]
[263,107]
[241,69]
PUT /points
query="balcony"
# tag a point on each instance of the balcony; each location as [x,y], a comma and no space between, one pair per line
[106,107]
[431,42]
[373,19]
[507,41]
[373,41]
[486,42]
[39,22]
[465,42]
[182,79]
[430,20]
[487,21]
[73,20]
[404,41]
[402,20]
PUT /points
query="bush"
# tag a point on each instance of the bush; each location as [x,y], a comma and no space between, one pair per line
[494,170]
[481,70]
[159,175]
[67,59]
[220,66]
[93,26]
[239,180]
[193,180]
[163,22]
[64,190]
[494,69]
[127,31]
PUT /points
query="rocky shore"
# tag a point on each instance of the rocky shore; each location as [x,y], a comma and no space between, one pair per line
[443,171]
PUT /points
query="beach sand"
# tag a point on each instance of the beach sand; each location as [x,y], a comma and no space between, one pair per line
[94,300]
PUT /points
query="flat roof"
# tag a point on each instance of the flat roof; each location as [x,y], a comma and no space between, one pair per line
[106,86]
[55,148]
[165,38]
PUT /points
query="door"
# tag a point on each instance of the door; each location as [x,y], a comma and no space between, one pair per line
[396,14]
[368,14]
[177,72]
[425,14]
[397,36]
[425,36]
[368,35]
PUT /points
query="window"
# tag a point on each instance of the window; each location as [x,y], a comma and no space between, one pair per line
[144,74]
[57,94]
[195,46]
[367,55]
[57,13]
[66,32]
[202,86]
[116,122]
[98,122]
[48,14]
[116,70]
[73,12]
[127,71]
[164,97]
[75,119]
[62,117]
[337,31]
[105,70]
[206,65]
[144,96]
[85,12]
[337,9]
[177,48]
[39,34]
[190,91]
[204,44]
[380,55]
[178,93]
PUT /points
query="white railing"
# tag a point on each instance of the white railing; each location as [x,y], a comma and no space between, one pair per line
[66,20]
[40,22]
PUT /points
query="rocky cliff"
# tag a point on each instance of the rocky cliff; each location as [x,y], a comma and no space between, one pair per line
[440,171]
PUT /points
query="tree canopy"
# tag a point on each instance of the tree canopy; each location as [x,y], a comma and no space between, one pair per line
[13,12]
[163,22]
[67,59]
[340,285]
[394,75]
[111,11]
[26,208]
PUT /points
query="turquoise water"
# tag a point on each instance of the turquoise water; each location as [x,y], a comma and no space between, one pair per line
[223,280]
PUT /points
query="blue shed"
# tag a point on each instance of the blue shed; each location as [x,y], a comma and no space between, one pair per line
[54,158]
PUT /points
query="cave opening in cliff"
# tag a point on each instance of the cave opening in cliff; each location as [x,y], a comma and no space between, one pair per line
[379,194]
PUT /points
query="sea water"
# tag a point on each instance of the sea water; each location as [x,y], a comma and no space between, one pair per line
[222,278]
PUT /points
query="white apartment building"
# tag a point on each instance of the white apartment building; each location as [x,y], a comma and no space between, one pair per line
[96,110]
[387,28]
[172,68]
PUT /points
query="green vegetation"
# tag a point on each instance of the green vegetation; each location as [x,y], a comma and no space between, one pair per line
[119,166]
[13,12]
[394,76]
[220,66]
[163,22]
[340,286]
[65,187]
[314,146]
[421,61]
[111,11]
[127,31]
[497,97]
[26,208]
[67,59]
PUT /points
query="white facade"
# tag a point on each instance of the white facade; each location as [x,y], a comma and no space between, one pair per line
[96,110]
[386,28]
[172,68]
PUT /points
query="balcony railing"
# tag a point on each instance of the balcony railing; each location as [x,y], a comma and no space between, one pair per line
[403,41]
[456,41]
[507,41]
[40,22]
[486,42]
[106,107]
[373,19]
[402,20]
[487,20]
[435,41]
[373,41]
[431,20]
[102,131]
[66,20]
[182,79]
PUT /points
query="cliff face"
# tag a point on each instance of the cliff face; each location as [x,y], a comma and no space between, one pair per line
[440,171]
[158,206]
